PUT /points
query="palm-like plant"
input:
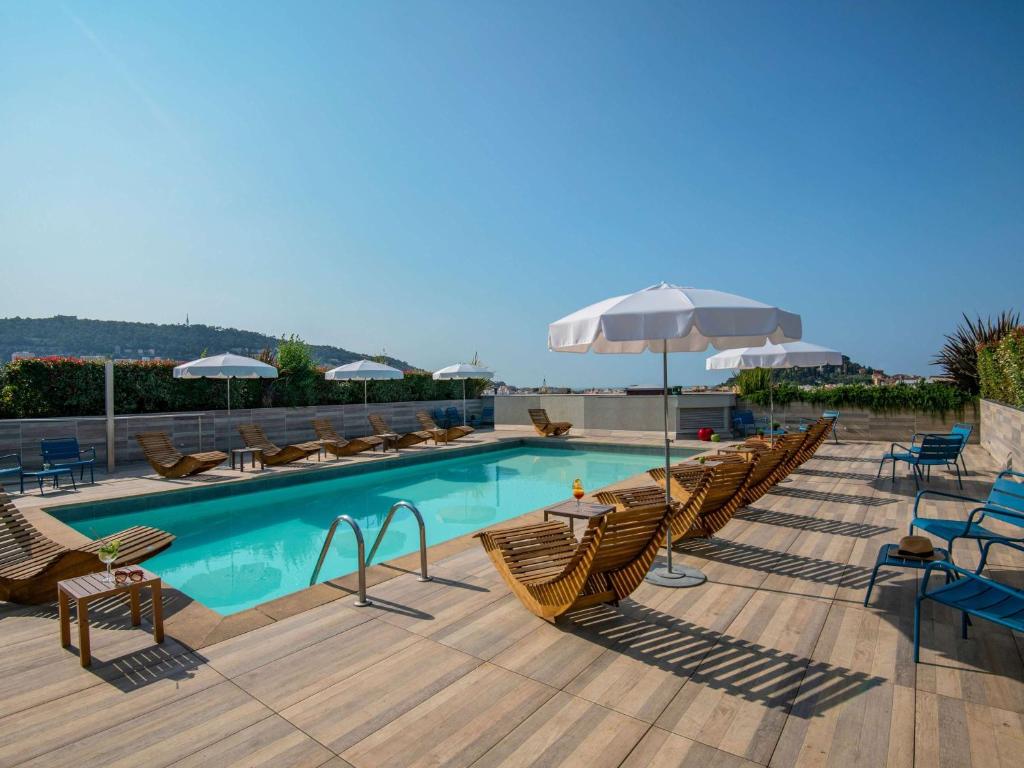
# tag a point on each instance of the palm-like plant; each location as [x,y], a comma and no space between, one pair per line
[959,355]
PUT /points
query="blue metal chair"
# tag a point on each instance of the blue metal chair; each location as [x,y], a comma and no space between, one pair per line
[13,471]
[964,431]
[834,415]
[451,413]
[932,451]
[973,595]
[440,419]
[743,423]
[487,415]
[65,452]
[1005,503]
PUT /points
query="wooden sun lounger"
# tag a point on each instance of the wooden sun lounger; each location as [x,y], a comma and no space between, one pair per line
[452,433]
[272,454]
[337,445]
[546,427]
[383,429]
[551,573]
[31,563]
[168,461]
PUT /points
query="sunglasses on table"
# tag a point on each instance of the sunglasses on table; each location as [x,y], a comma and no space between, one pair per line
[123,576]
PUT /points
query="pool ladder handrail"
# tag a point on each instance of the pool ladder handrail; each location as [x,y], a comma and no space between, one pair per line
[362,558]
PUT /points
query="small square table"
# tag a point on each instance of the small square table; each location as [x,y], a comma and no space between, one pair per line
[85,589]
[388,439]
[51,473]
[889,556]
[586,511]
[239,455]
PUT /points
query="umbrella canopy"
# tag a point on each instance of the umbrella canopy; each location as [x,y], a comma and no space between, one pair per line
[225,366]
[463,371]
[364,371]
[670,318]
[791,354]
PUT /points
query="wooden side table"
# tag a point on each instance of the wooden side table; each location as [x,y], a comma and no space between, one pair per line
[584,511]
[254,455]
[84,589]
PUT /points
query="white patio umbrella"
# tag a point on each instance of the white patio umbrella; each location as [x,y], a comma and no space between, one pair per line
[226,366]
[463,371]
[364,371]
[792,354]
[668,318]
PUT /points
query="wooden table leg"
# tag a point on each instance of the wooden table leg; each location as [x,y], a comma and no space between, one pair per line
[134,597]
[84,653]
[158,612]
[64,611]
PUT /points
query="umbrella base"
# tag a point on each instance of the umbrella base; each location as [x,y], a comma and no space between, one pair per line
[679,576]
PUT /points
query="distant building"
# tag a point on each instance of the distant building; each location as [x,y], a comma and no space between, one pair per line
[22,356]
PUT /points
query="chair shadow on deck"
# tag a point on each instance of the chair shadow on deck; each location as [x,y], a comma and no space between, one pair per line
[781,563]
[844,459]
[719,661]
[833,474]
[830,496]
[807,523]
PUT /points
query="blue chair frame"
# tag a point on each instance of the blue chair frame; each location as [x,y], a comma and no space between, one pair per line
[973,595]
[1005,503]
[65,452]
[743,422]
[964,431]
[932,451]
[17,470]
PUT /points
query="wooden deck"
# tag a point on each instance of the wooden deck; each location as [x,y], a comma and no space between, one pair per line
[773,662]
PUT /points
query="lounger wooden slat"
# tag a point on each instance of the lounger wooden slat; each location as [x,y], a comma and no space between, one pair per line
[168,461]
[31,564]
[407,440]
[337,445]
[452,433]
[546,427]
[272,455]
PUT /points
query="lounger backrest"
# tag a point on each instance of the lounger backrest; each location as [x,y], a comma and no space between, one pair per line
[627,534]
[1007,493]
[253,436]
[325,431]
[425,421]
[60,449]
[726,481]
[380,427]
[766,463]
[18,537]
[157,447]
[539,417]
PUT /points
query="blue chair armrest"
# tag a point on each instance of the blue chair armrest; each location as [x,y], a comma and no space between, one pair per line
[1011,473]
[1004,542]
[929,492]
[91,449]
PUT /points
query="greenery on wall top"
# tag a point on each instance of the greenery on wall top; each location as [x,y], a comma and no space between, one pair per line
[1001,369]
[935,398]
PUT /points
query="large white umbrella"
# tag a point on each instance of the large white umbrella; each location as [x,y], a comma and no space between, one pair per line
[668,318]
[463,371]
[226,366]
[364,371]
[792,354]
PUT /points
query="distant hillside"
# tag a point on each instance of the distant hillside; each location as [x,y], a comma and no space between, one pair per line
[71,336]
[849,372]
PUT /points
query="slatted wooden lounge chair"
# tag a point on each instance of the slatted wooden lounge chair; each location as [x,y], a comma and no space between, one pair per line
[551,573]
[337,445]
[272,455]
[450,433]
[31,563]
[383,429]
[168,461]
[546,427]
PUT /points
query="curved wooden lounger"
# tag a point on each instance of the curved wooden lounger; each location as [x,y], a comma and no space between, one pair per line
[337,445]
[168,461]
[546,427]
[253,436]
[409,439]
[452,433]
[552,574]
[31,563]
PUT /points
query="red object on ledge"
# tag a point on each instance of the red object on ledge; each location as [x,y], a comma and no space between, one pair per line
[705,433]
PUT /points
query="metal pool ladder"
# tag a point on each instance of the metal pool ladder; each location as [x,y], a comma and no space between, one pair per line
[365,560]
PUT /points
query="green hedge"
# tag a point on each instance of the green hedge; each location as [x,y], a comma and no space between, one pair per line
[63,386]
[1001,369]
[933,398]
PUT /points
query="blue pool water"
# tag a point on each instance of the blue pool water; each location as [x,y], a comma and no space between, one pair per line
[240,550]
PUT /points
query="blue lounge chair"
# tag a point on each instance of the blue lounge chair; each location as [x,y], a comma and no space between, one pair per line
[1005,502]
[973,595]
[12,471]
[65,452]
[834,415]
[932,451]
[743,423]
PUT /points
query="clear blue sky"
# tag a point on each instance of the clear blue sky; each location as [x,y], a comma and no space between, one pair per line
[444,177]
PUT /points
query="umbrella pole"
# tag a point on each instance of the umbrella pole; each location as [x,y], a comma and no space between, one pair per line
[670,576]
[365,382]
[229,414]
[771,406]
[463,402]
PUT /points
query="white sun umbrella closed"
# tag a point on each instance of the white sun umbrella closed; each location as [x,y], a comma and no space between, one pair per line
[364,371]
[792,354]
[669,318]
[226,366]
[463,371]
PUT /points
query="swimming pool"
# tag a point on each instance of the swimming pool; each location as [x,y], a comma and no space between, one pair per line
[236,550]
